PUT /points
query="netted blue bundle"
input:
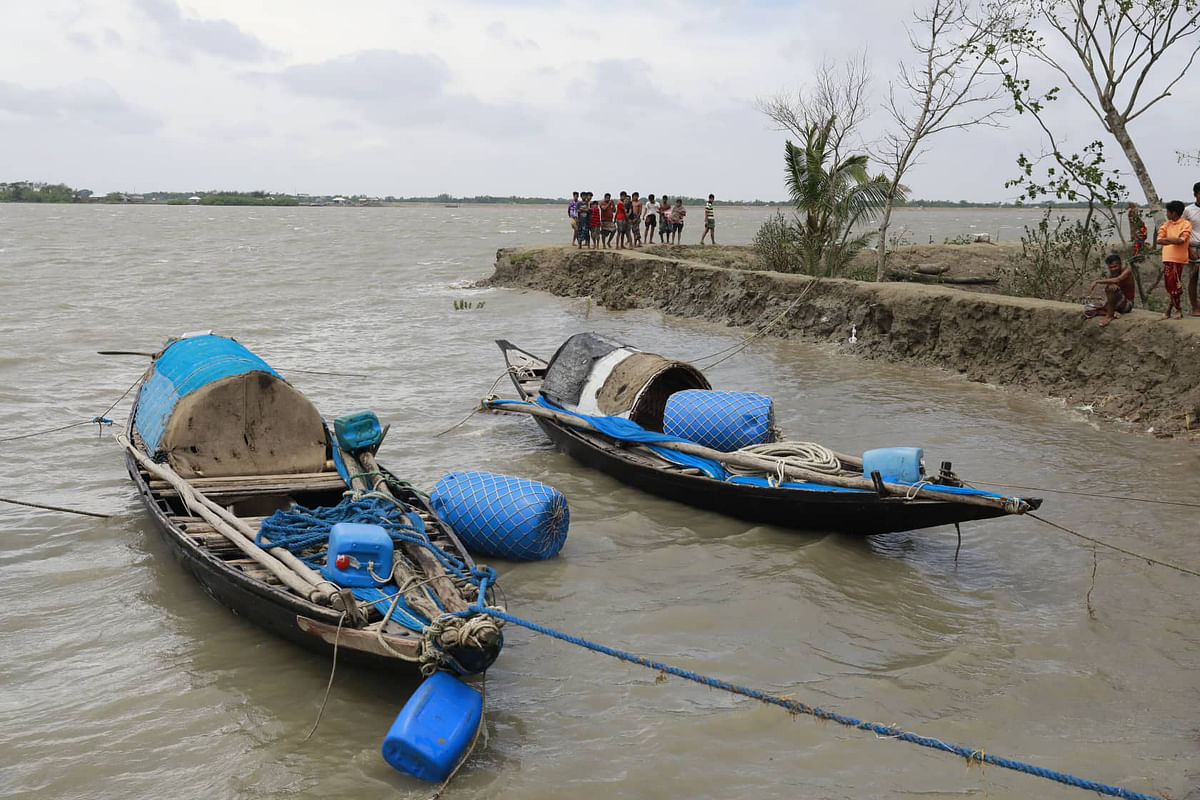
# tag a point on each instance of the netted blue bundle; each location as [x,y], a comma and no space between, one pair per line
[501,516]
[724,421]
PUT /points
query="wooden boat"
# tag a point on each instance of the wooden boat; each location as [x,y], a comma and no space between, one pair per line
[635,386]
[217,441]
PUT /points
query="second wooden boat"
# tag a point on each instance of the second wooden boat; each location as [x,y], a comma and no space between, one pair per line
[604,403]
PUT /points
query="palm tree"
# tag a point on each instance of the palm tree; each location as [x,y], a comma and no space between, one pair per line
[832,197]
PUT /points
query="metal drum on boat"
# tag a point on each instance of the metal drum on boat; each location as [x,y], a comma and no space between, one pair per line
[592,374]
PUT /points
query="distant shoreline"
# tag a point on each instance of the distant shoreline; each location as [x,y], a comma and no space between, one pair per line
[374,203]
[32,192]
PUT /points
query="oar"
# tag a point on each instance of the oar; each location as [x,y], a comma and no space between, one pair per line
[55,508]
[289,369]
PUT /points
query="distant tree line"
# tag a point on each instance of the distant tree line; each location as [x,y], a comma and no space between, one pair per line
[27,192]
[227,198]
[31,192]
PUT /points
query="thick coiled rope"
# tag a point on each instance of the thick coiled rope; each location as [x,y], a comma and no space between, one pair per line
[791,455]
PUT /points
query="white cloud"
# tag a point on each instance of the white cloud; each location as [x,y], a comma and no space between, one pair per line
[79,105]
[187,36]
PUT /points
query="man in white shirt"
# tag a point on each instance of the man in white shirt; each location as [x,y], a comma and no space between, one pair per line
[1192,214]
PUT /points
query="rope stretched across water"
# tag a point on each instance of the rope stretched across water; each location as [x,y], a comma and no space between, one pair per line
[100,419]
[742,345]
[972,755]
[1102,543]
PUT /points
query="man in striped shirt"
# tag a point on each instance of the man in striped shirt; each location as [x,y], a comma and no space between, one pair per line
[710,223]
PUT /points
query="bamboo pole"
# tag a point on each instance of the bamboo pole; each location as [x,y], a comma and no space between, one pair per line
[771,465]
[441,583]
[845,458]
[304,581]
[401,574]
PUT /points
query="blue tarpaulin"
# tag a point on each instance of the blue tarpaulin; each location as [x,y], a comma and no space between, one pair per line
[185,366]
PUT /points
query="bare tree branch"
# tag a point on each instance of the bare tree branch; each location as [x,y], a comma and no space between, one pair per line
[1115,45]
[947,88]
[837,91]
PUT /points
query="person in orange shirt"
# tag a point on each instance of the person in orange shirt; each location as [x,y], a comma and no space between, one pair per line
[1174,235]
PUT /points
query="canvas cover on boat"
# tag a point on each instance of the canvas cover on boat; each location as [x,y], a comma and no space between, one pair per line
[212,408]
[595,375]
[571,365]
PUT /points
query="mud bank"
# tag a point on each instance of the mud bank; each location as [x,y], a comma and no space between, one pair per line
[1138,370]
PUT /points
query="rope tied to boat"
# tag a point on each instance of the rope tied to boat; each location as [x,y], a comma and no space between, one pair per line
[970,754]
[305,533]
[450,632]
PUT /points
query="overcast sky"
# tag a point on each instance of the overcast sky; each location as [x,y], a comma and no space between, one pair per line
[404,98]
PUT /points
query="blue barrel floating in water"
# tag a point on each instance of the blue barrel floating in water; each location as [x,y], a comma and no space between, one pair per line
[896,464]
[435,728]
[211,407]
[502,516]
[724,421]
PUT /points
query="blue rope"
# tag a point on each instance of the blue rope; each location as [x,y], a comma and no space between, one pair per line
[305,533]
[971,755]
[300,529]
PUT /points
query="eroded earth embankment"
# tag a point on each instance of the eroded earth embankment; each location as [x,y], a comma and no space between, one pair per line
[1139,369]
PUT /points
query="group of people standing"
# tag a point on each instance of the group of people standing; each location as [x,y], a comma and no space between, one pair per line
[629,220]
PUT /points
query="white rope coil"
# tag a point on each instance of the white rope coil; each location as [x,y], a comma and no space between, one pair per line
[797,455]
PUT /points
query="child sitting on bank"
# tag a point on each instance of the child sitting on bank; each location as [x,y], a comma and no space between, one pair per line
[1118,289]
[1174,235]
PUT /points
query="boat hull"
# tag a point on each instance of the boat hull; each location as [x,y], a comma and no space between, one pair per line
[854,513]
[857,513]
[274,610]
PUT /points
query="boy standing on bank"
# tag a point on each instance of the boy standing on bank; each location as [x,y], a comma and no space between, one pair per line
[710,223]
[635,220]
[1174,236]
[1192,215]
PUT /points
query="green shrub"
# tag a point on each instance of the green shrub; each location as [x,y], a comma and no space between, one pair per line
[1056,256]
[776,244]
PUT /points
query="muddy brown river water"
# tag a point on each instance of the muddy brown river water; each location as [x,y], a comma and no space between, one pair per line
[120,678]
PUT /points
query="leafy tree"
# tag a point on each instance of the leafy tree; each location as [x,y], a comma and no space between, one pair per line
[833,196]
[1078,177]
[827,180]
[1054,258]
[1111,49]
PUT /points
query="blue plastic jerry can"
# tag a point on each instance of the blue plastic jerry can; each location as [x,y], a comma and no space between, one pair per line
[435,728]
[358,431]
[896,464]
[355,552]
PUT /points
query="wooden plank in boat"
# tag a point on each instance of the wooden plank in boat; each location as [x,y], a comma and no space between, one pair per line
[198,523]
[251,568]
[257,484]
